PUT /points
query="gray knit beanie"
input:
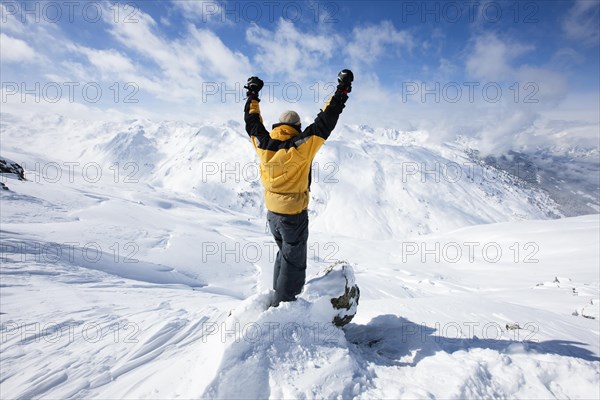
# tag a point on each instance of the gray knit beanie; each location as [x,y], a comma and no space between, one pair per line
[290,117]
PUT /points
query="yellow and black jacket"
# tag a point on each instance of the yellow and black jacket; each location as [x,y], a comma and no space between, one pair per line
[286,154]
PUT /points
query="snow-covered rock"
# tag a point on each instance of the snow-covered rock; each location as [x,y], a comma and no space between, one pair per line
[334,293]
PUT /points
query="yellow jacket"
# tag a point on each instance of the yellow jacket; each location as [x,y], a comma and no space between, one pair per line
[286,154]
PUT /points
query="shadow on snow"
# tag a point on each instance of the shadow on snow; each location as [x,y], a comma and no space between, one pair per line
[386,339]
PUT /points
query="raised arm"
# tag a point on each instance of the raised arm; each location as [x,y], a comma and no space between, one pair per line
[252,117]
[327,119]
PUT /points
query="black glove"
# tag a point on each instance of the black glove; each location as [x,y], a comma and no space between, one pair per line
[345,79]
[253,86]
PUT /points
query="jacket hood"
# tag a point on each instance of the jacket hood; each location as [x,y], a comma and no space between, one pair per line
[284,132]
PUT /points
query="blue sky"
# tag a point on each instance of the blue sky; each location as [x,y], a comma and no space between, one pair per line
[185,59]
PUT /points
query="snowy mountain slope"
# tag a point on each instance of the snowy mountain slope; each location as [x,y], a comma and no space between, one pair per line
[402,184]
[108,336]
[122,285]
[570,176]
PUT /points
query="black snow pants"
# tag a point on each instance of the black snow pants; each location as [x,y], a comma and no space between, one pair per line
[291,234]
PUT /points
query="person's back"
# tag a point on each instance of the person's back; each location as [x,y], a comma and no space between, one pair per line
[285,167]
[286,154]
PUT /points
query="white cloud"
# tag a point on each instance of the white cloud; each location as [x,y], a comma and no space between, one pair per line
[371,42]
[515,132]
[446,70]
[548,87]
[515,121]
[8,15]
[39,42]
[27,105]
[216,57]
[493,60]
[168,73]
[184,64]
[75,71]
[141,38]
[206,11]
[581,22]
[109,62]
[566,57]
[114,66]
[491,57]
[529,92]
[16,50]
[289,51]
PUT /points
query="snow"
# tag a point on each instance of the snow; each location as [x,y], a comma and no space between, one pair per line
[152,280]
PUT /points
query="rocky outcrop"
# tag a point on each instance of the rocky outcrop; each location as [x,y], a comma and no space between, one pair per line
[10,169]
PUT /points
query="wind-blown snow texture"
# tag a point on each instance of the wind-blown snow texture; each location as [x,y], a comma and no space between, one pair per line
[136,263]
